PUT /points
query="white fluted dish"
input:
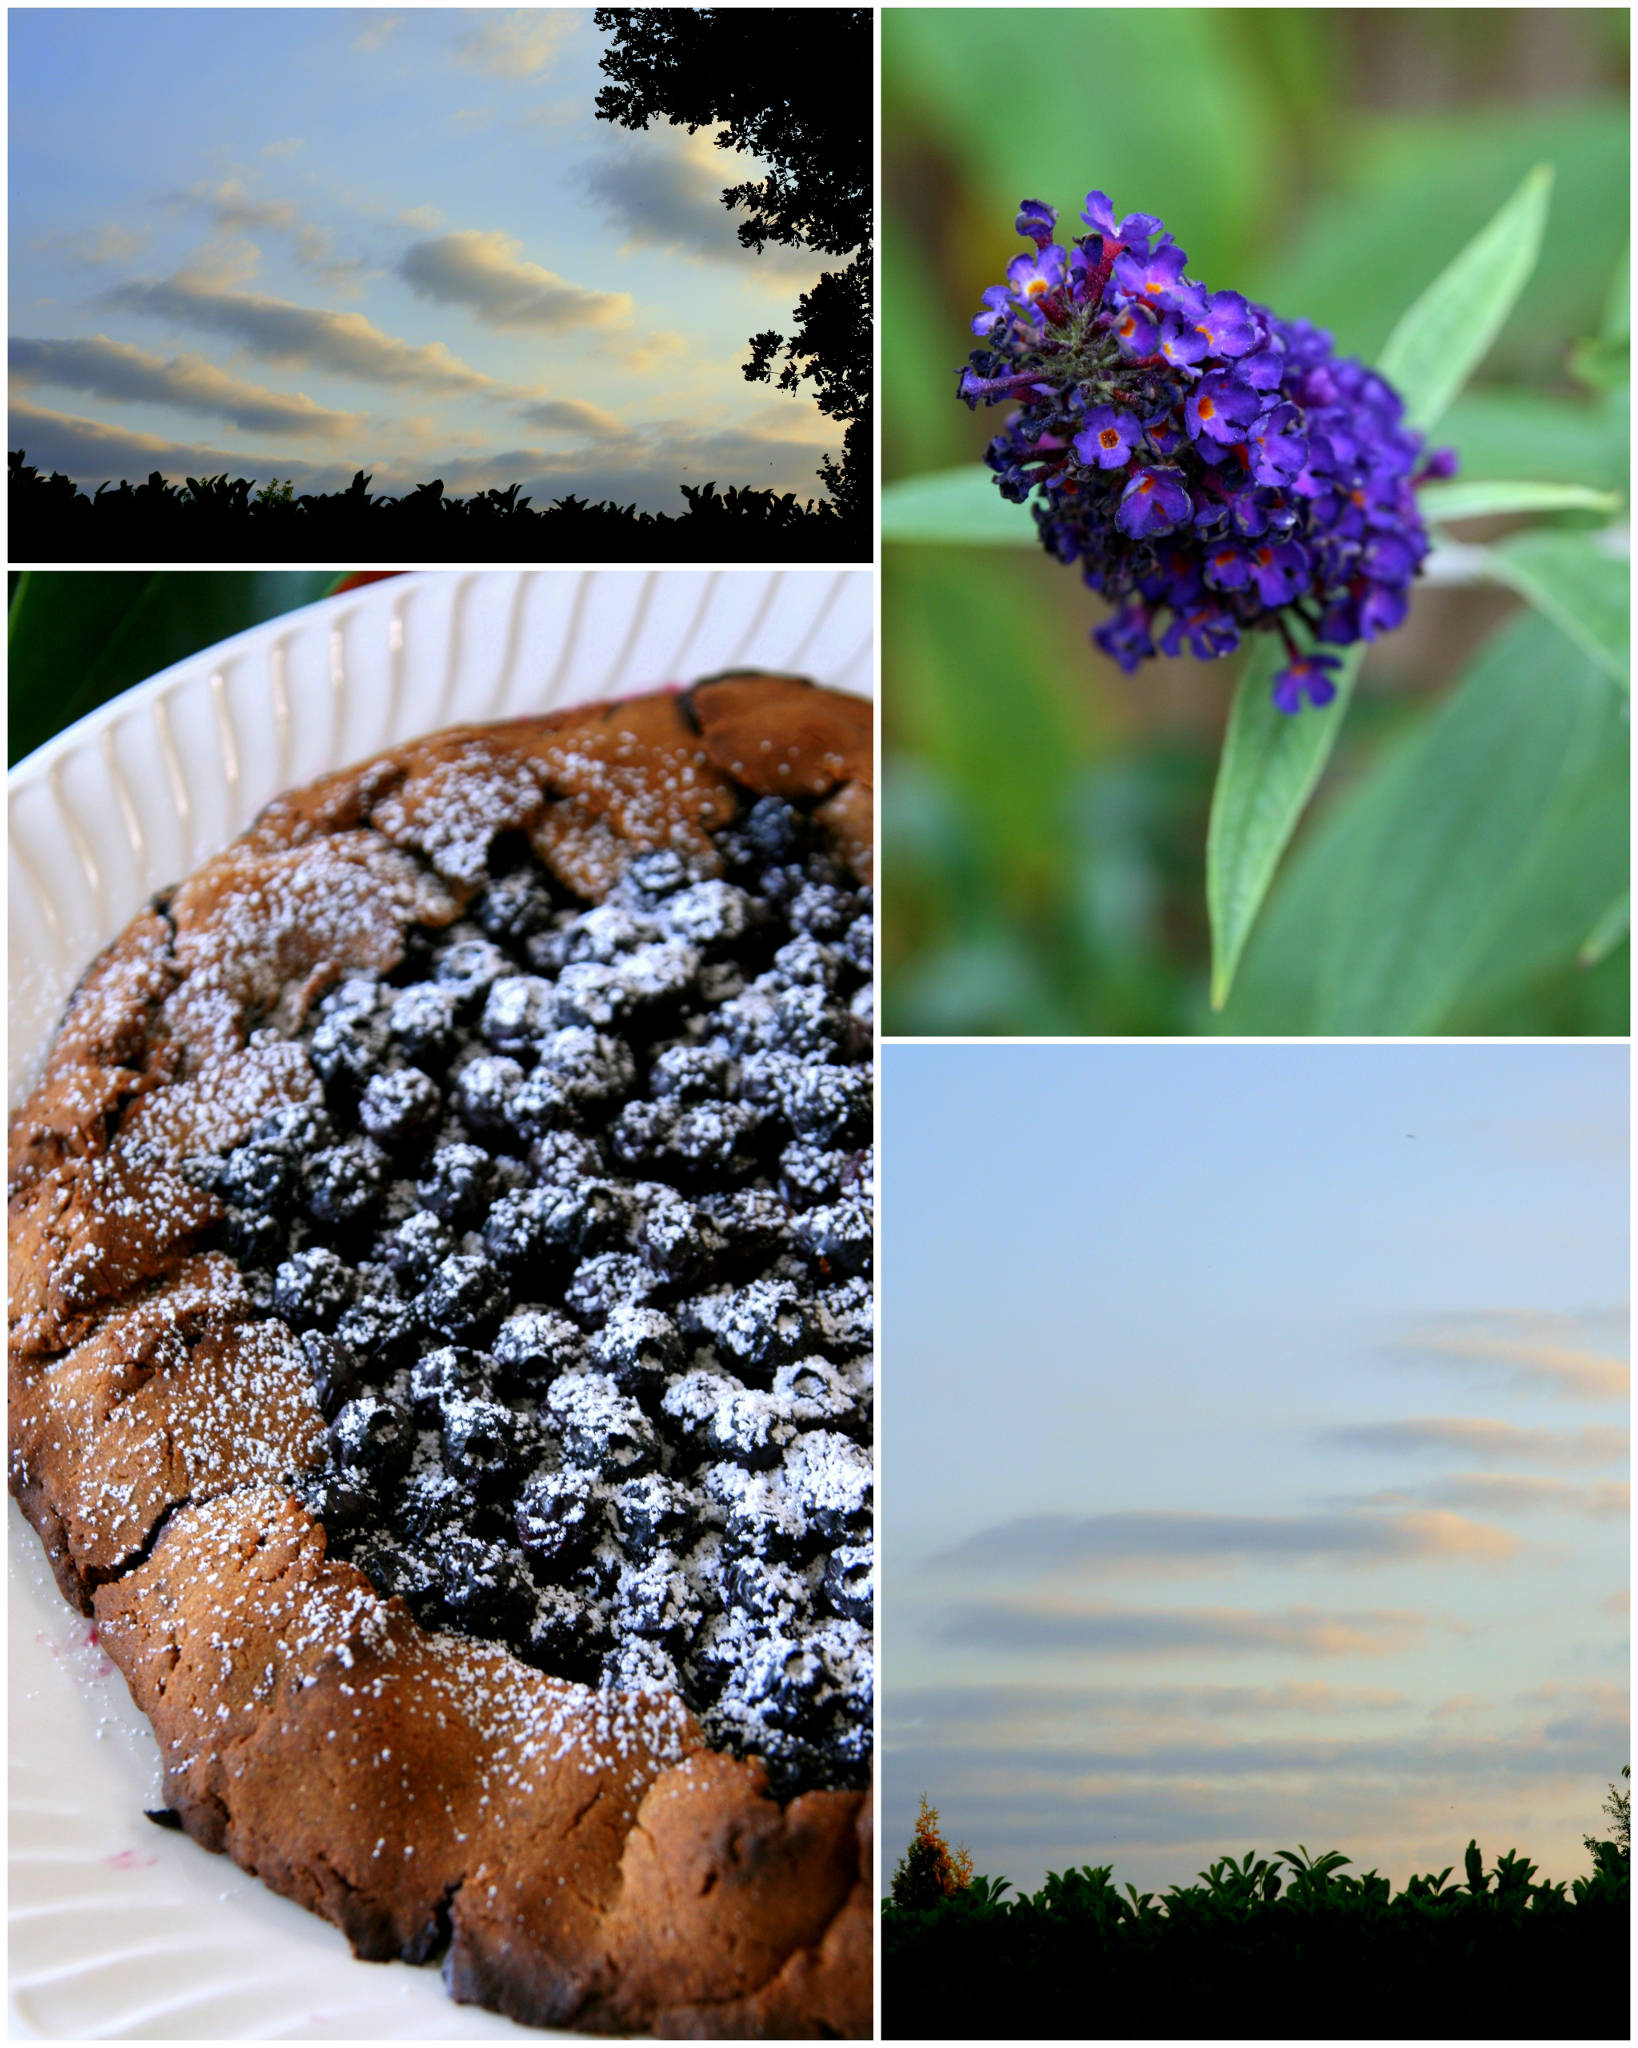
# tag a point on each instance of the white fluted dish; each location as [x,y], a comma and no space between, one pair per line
[118,1929]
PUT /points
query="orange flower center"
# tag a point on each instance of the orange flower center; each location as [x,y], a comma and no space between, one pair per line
[1207,409]
[1109,438]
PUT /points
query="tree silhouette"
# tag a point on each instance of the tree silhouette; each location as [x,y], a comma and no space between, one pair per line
[929,1870]
[1619,1808]
[793,87]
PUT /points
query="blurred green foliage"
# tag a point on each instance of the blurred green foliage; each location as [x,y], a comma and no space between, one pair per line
[1043,816]
[75,638]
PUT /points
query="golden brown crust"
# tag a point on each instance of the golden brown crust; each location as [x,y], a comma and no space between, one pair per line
[588,1859]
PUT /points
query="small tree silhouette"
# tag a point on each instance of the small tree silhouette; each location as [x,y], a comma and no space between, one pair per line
[1619,1808]
[929,1870]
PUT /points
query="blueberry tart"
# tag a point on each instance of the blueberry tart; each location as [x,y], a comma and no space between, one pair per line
[441,1353]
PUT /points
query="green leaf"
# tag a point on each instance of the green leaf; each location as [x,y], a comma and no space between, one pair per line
[955,505]
[1444,336]
[1609,931]
[1270,763]
[1473,857]
[1571,581]
[76,639]
[1503,434]
[1464,500]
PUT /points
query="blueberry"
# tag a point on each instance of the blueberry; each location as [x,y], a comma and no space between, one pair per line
[342,1501]
[560,1516]
[483,1089]
[707,914]
[850,1581]
[372,1438]
[601,1428]
[512,907]
[519,1233]
[263,1179]
[479,1443]
[421,1023]
[805,960]
[462,1295]
[775,1595]
[467,967]
[311,1289]
[656,1600]
[346,1049]
[831,1477]
[483,1588]
[251,1239]
[378,1328]
[810,1174]
[859,946]
[518,1012]
[566,1638]
[759,1326]
[805,1020]
[456,1182]
[398,1109]
[637,1347]
[677,1239]
[335,1370]
[838,1238]
[845,1318]
[453,1372]
[635,1663]
[431,1505]
[593,1217]
[534,1345]
[651,1513]
[564,1157]
[345,1183]
[828,1105]
[589,993]
[590,1070]
[822,910]
[690,1073]
[603,1282]
[649,876]
[414,1247]
[753,1224]
[776,830]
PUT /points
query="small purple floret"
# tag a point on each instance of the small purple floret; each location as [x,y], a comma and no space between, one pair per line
[1304,675]
[1108,438]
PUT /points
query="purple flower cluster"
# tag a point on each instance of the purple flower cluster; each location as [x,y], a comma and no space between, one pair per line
[1198,456]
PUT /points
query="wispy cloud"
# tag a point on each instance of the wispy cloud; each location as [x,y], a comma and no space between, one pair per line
[115,369]
[286,145]
[1161,1539]
[90,450]
[483,271]
[1065,1626]
[663,189]
[281,331]
[574,416]
[106,243]
[231,205]
[519,44]
[1480,1437]
[378,33]
[1528,1350]
[1502,1493]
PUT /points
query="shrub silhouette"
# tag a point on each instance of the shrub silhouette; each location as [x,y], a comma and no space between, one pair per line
[222,518]
[1619,1808]
[929,1870]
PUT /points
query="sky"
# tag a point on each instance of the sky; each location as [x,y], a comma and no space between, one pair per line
[301,242]
[1255,1453]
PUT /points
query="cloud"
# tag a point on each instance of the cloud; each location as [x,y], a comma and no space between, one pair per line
[426,218]
[664,190]
[520,44]
[231,206]
[1618,1604]
[1530,1350]
[1479,1437]
[1063,1542]
[644,352]
[90,451]
[287,145]
[114,369]
[106,243]
[481,271]
[1025,1710]
[1524,1493]
[282,332]
[378,33]
[574,416]
[1024,1624]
